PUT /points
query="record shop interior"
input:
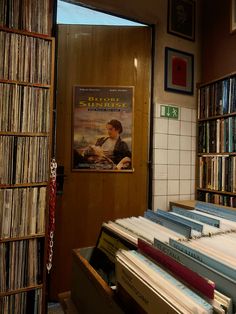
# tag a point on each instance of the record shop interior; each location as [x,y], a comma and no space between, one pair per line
[117,156]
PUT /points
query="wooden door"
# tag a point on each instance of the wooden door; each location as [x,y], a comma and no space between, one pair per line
[98,56]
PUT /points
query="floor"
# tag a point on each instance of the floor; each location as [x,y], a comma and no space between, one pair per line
[54,308]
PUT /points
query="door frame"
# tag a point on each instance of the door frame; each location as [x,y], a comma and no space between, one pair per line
[151,102]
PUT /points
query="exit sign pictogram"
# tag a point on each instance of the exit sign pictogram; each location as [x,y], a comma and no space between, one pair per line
[171,112]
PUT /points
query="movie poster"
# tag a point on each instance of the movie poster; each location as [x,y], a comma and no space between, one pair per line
[102,136]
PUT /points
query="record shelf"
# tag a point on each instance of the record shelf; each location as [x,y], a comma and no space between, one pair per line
[26,103]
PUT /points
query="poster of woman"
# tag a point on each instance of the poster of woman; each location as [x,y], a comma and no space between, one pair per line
[102,128]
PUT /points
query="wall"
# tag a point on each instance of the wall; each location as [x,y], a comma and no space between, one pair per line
[155,12]
[219,45]
[174,158]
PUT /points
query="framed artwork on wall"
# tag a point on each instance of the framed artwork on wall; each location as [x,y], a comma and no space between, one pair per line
[102,132]
[233,16]
[179,71]
[181,18]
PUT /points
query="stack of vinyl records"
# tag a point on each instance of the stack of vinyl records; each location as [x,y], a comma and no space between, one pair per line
[157,290]
[181,261]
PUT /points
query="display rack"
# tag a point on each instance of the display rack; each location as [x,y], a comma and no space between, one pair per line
[26,103]
[216,159]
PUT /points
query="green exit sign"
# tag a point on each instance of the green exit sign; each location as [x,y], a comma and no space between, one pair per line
[170,112]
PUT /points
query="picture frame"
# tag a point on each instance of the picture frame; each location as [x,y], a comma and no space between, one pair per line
[233,16]
[102,128]
[179,71]
[181,18]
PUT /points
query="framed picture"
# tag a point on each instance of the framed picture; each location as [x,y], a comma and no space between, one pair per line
[102,132]
[233,16]
[181,18]
[179,68]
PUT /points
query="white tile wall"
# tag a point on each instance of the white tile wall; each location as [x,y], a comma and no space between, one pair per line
[193,146]
[185,197]
[185,172]
[173,141]
[173,172]
[193,157]
[185,157]
[160,187]
[193,172]
[159,202]
[161,125]
[160,156]
[185,187]
[194,129]
[185,128]
[185,143]
[160,172]
[193,182]
[174,158]
[194,115]
[173,187]
[185,114]
[160,140]
[174,127]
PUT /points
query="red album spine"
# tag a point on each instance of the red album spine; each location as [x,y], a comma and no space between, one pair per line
[202,285]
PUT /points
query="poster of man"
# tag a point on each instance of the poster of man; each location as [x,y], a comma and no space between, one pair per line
[102,128]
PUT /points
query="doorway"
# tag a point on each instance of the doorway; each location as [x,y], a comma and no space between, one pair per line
[99,56]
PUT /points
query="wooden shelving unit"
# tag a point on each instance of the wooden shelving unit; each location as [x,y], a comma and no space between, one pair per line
[216,157]
[26,106]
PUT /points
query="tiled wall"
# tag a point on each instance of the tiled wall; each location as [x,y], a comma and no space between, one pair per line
[174,157]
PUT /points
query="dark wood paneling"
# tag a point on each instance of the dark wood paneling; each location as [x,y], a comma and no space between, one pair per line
[219,45]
